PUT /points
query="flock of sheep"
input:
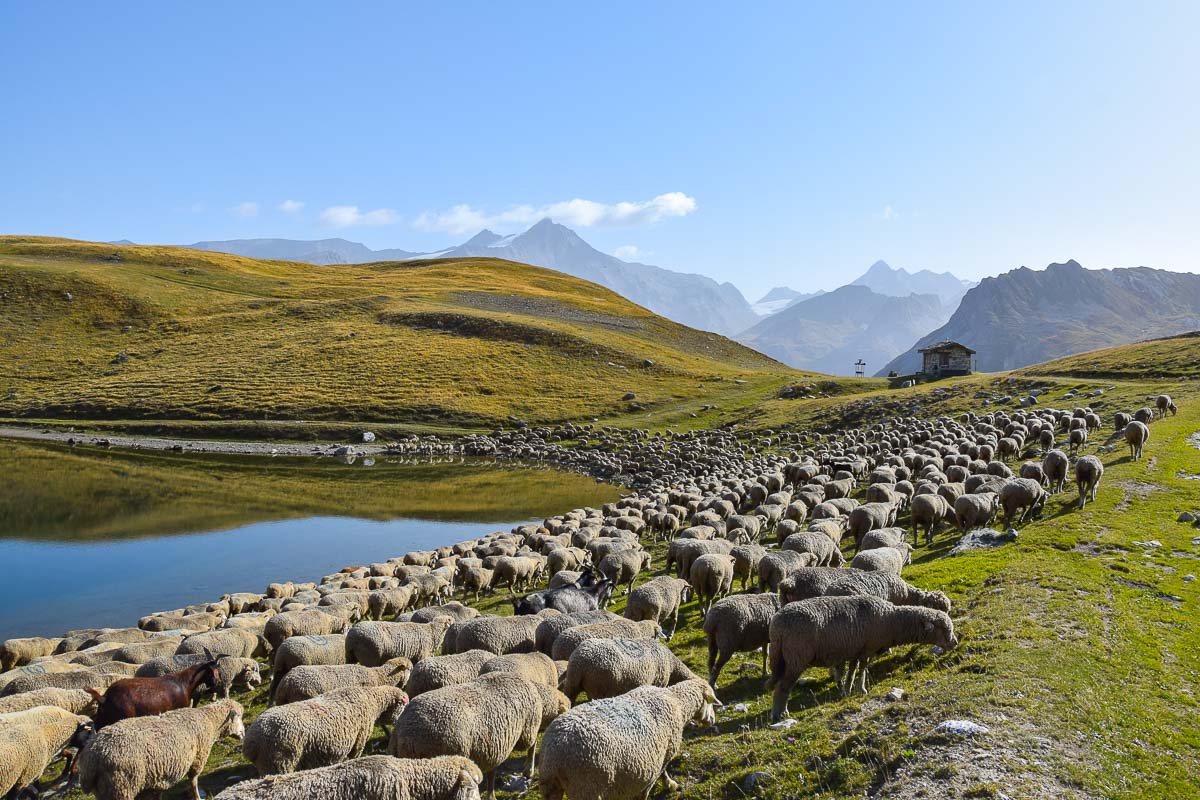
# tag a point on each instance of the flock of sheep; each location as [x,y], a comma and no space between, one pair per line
[459,692]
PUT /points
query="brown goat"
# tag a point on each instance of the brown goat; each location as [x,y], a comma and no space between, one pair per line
[148,697]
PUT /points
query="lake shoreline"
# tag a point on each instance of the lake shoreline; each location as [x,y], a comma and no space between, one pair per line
[251,448]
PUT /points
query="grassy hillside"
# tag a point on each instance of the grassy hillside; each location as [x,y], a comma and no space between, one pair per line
[138,332]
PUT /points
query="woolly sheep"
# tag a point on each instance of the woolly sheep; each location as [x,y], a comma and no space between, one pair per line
[437,672]
[1055,464]
[77,701]
[536,667]
[31,739]
[835,528]
[976,510]
[1136,436]
[711,578]
[305,683]
[236,642]
[1164,404]
[389,602]
[551,626]
[230,670]
[825,551]
[682,552]
[745,561]
[609,667]
[152,754]
[883,559]
[1023,495]
[566,642]
[619,747]
[870,516]
[454,609]
[835,631]
[87,678]
[373,643]
[501,635]
[301,650]
[774,567]
[1088,472]
[327,729]
[519,572]
[19,652]
[884,537]
[624,567]
[369,778]
[485,720]
[738,625]
[307,623]
[884,585]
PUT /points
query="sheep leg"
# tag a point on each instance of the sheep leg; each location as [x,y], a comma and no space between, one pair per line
[783,688]
[491,783]
[195,783]
[863,675]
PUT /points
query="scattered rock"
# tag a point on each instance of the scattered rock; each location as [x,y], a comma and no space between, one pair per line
[68,296]
[961,727]
[755,780]
[515,783]
[629,396]
[983,538]
[368,437]
[1189,578]
[741,708]
[1186,516]
[1153,543]
[346,450]
[895,695]
[784,724]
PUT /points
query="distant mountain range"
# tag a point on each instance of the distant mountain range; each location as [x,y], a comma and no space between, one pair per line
[694,300]
[1025,317]
[899,282]
[319,251]
[780,298]
[828,333]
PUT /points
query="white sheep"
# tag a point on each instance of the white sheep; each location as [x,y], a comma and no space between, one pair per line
[609,667]
[485,720]
[305,683]
[152,754]
[31,739]
[325,730]
[373,643]
[369,778]
[619,747]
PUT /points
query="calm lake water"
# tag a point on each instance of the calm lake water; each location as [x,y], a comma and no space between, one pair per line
[99,538]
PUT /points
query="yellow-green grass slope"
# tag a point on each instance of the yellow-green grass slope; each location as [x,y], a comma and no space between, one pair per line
[142,332]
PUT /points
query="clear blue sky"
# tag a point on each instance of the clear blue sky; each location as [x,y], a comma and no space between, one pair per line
[787,143]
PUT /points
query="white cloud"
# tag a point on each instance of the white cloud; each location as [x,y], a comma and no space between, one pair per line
[577,213]
[889,212]
[351,217]
[290,206]
[245,210]
[627,251]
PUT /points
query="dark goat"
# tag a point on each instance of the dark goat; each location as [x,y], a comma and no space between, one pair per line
[147,697]
[567,599]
